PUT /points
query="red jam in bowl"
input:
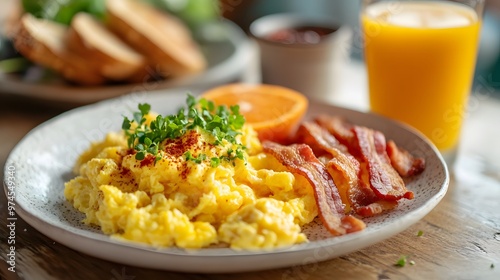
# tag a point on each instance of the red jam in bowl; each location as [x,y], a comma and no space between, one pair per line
[300,35]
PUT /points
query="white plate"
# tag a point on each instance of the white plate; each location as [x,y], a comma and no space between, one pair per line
[225,45]
[44,158]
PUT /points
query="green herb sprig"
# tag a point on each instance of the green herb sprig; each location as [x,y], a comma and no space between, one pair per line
[221,122]
[401,262]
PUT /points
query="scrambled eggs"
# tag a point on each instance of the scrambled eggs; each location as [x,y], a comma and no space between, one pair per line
[249,203]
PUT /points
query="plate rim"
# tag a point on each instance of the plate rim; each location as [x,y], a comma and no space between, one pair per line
[66,236]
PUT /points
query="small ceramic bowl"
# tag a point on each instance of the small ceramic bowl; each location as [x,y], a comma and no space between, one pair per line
[302,53]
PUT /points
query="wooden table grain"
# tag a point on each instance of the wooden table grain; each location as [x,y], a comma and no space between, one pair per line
[461,236]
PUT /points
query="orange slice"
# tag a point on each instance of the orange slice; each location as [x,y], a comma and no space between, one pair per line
[273,111]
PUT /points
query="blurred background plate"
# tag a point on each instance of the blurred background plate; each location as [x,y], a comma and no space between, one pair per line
[225,45]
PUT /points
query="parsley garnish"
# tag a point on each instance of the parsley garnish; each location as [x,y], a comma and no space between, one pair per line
[221,122]
[420,233]
[401,262]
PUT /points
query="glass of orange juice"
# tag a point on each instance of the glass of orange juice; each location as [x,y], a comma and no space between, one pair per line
[420,58]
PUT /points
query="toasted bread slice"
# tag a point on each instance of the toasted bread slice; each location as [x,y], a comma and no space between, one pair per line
[164,39]
[107,53]
[43,42]
[10,17]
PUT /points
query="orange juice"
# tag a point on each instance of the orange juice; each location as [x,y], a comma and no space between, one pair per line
[420,57]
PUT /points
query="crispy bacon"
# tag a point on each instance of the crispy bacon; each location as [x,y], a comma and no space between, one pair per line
[369,147]
[376,208]
[364,170]
[319,139]
[379,186]
[355,192]
[384,179]
[341,165]
[403,161]
[300,159]
[339,128]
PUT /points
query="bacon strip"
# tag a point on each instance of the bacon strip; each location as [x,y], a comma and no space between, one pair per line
[319,139]
[369,147]
[339,128]
[380,186]
[403,161]
[384,179]
[376,208]
[341,165]
[356,193]
[301,160]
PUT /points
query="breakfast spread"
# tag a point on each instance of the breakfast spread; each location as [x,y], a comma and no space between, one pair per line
[202,177]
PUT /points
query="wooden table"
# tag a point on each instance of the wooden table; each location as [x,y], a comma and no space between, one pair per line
[461,236]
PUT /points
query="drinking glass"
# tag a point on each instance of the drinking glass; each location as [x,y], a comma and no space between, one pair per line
[420,58]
